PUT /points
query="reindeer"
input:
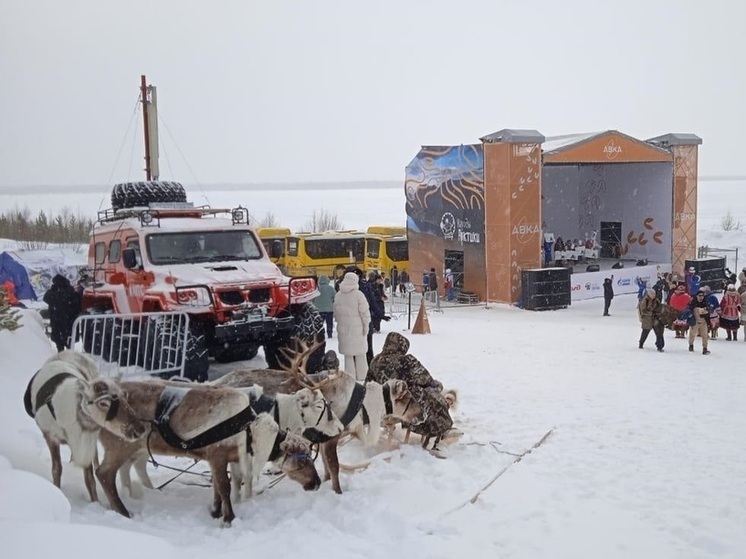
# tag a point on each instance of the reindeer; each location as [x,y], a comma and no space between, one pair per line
[291,452]
[362,407]
[303,412]
[72,406]
[199,421]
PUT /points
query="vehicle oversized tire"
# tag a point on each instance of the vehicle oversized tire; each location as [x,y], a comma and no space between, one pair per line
[164,346]
[309,328]
[133,194]
[197,358]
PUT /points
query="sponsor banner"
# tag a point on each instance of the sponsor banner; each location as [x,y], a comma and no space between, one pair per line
[587,285]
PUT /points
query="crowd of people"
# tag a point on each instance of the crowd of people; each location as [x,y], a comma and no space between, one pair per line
[700,313]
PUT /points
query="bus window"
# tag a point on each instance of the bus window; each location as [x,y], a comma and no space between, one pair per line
[292,246]
[373,248]
[398,250]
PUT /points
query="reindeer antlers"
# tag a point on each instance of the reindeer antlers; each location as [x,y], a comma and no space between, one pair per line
[298,362]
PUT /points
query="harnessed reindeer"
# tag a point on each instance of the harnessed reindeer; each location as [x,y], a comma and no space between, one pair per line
[72,406]
[361,407]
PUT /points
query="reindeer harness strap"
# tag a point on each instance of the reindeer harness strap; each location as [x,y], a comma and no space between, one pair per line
[169,401]
[45,394]
[355,405]
[387,400]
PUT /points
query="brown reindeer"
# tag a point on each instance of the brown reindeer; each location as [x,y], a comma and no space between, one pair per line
[210,422]
[362,407]
[71,406]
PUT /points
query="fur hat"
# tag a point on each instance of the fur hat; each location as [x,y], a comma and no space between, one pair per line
[731,287]
[650,292]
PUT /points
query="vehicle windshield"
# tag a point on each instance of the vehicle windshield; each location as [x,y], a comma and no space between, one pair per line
[189,247]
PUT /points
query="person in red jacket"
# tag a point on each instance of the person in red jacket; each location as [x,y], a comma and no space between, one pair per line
[680,301]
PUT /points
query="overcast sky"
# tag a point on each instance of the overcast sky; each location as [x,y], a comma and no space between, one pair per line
[280,91]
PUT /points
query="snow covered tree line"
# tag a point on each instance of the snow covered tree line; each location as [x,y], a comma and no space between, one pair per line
[36,232]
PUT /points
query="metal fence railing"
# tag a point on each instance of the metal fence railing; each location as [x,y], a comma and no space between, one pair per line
[401,306]
[124,344]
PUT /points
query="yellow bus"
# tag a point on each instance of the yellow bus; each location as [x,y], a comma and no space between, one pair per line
[273,239]
[383,252]
[325,253]
[387,230]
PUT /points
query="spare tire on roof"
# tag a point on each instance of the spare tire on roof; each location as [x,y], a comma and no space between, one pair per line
[133,194]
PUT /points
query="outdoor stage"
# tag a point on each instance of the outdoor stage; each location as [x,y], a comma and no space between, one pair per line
[587,285]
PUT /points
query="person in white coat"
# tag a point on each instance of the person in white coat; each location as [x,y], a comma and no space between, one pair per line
[352,314]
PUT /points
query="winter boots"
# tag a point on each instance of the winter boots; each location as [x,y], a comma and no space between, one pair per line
[691,348]
[728,338]
[705,351]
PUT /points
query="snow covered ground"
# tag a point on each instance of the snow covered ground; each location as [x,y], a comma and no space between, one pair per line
[646,457]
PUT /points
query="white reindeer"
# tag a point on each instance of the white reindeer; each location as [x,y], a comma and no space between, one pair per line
[71,406]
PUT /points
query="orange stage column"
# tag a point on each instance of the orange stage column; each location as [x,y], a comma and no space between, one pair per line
[685,160]
[512,192]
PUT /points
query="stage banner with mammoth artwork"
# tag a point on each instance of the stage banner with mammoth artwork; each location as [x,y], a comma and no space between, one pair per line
[445,193]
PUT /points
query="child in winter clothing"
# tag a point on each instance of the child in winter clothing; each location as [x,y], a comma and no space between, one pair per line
[680,300]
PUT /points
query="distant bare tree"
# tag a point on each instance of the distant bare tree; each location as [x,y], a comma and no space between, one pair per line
[729,223]
[269,220]
[321,220]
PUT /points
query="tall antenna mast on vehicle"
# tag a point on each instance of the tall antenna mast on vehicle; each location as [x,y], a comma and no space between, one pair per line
[149,100]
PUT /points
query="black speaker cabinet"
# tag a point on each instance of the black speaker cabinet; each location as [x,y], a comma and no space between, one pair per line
[702,264]
[546,288]
[711,271]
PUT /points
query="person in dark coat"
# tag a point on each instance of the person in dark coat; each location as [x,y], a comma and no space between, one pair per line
[395,363]
[64,306]
[432,283]
[608,294]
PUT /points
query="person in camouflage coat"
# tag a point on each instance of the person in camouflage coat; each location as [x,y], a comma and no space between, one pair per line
[395,363]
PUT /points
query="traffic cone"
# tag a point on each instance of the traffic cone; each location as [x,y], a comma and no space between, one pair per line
[421,323]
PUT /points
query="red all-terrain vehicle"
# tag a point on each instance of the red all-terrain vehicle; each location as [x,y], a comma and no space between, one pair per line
[153,251]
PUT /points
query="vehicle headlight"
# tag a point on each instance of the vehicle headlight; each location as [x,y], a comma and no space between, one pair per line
[300,287]
[193,296]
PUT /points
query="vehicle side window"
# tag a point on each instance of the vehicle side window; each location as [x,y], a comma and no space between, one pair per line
[100,252]
[135,245]
[115,251]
